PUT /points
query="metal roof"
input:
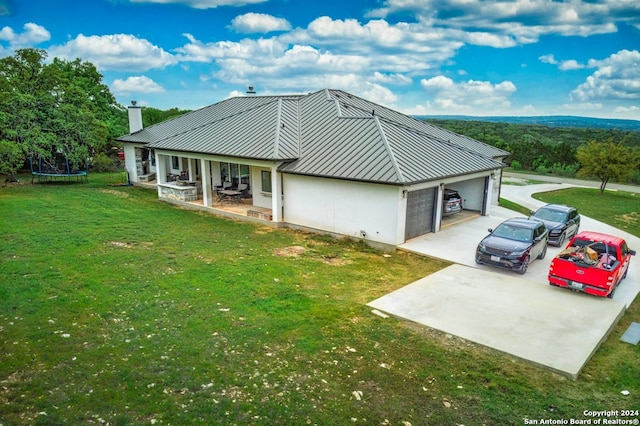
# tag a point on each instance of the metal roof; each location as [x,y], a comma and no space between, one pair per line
[250,127]
[329,133]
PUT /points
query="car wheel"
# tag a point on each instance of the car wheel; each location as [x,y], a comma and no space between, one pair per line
[524,266]
[544,252]
[610,295]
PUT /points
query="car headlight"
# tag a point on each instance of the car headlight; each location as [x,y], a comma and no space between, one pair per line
[556,231]
[517,254]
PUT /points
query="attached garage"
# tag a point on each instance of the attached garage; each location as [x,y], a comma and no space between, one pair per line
[420,212]
[424,206]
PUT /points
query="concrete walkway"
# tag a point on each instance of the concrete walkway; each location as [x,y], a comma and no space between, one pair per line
[519,315]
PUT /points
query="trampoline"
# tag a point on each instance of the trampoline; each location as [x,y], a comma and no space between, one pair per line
[56,168]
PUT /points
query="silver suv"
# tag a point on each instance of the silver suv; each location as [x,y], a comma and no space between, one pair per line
[452,202]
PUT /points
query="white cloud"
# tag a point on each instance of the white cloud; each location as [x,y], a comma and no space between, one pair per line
[570,64]
[468,96]
[139,84]
[631,111]
[518,21]
[548,59]
[32,35]
[391,78]
[198,51]
[378,94]
[115,52]
[203,4]
[583,107]
[616,77]
[259,23]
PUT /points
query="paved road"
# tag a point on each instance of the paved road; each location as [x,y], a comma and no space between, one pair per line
[576,182]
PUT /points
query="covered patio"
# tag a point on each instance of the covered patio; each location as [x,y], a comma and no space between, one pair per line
[228,206]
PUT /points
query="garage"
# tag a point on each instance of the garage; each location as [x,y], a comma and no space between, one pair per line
[420,212]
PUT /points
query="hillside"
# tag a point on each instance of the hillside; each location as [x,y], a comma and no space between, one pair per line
[550,121]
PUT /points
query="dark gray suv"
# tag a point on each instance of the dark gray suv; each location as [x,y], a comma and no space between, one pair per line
[563,222]
[513,244]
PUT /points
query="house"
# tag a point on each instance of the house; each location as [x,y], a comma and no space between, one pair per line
[327,161]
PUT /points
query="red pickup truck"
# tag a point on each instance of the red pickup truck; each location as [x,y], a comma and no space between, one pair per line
[592,263]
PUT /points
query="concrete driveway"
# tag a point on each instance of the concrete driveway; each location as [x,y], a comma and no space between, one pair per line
[519,315]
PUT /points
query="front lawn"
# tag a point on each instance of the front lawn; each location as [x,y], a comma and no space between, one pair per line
[118,308]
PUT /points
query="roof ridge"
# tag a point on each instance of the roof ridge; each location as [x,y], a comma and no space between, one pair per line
[389,150]
[276,142]
[437,139]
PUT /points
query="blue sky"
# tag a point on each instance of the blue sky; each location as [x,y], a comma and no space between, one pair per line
[423,57]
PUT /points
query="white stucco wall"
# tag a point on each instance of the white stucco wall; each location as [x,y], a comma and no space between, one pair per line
[471,191]
[345,207]
[130,160]
[495,194]
[260,199]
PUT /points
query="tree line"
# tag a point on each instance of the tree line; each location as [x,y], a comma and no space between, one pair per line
[562,151]
[61,107]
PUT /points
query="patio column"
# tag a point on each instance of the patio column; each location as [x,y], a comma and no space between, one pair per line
[161,174]
[192,169]
[207,199]
[276,195]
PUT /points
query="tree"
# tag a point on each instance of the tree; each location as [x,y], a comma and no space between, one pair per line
[57,108]
[606,161]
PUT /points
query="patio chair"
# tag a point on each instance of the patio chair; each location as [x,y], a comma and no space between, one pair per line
[244,188]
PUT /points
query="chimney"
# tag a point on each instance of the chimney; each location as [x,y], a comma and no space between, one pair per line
[135,117]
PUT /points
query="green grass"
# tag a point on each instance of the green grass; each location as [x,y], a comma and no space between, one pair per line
[616,208]
[514,206]
[117,308]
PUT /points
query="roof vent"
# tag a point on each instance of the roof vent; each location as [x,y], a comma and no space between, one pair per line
[251,91]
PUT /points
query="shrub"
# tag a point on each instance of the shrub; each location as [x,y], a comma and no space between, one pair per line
[102,163]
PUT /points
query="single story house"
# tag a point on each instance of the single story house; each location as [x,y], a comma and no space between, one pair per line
[327,161]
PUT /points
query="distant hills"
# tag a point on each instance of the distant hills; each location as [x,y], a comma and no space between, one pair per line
[550,121]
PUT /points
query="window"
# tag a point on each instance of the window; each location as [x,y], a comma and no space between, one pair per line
[266,181]
[175,164]
[244,174]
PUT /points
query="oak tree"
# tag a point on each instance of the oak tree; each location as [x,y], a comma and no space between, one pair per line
[46,109]
[606,161]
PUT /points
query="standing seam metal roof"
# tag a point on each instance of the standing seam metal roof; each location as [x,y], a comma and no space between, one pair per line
[329,133]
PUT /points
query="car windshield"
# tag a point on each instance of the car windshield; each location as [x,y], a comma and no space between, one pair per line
[551,215]
[515,233]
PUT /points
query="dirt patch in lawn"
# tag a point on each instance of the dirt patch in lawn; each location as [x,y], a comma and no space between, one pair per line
[291,251]
[114,192]
[630,218]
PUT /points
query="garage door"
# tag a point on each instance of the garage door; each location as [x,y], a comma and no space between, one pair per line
[420,208]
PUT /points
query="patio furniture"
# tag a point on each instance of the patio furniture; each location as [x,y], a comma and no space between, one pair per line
[244,189]
[229,195]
